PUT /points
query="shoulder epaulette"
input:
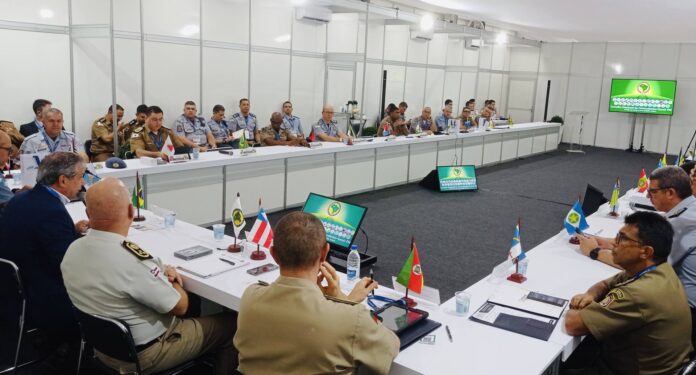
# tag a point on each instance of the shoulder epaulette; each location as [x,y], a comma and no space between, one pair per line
[136,250]
[236,115]
[678,213]
[138,129]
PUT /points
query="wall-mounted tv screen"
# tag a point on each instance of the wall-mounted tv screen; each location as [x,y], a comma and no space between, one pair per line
[644,96]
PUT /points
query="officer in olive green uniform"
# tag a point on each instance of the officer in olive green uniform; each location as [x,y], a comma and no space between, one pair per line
[276,135]
[295,326]
[145,139]
[103,135]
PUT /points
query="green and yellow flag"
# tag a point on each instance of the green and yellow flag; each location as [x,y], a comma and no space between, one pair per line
[411,275]
[614,201]
[138,200]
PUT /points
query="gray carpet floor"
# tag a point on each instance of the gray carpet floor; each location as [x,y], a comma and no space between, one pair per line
[462,236]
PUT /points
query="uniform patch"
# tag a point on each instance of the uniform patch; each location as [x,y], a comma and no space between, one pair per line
[136,250]
[135,135]
[613,295]
[179,128]
[155,271]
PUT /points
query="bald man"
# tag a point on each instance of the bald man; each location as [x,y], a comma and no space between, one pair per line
[326,128]
[107,275]
[275,135]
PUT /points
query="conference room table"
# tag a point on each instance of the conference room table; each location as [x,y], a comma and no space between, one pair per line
[556,268]
[283,176]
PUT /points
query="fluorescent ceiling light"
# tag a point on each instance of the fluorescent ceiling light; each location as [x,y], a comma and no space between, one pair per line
[451,4]
[189,30]
[427,22]
[502,38]
[282,38]
[618,68]
[46,13]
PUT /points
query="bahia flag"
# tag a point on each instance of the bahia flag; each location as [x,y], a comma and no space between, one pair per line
[312,136]
[516,253]
[168,148]
[680,158]
[411,275]
[137,199]
[238,221]
[663,161]
[614,201]
[642,181]
[575,219]
[261,233]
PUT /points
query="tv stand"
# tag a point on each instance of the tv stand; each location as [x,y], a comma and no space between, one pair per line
[339,260]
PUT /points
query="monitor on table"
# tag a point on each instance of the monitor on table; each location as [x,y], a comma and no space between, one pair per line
[341,220]
[457,177]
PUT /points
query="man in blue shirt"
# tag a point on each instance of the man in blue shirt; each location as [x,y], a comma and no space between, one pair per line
[291,123]
[326,129]
[442,120]
[246,120]
[219,128]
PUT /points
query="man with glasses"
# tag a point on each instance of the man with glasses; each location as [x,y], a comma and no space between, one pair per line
[424,122]
[326,128]
[639,317]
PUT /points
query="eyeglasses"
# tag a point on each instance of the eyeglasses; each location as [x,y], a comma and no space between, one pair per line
[652,191]
[621,237]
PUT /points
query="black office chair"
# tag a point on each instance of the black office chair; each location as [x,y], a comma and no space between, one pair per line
[14,309]
[113,338]
[689,368]
[88,149]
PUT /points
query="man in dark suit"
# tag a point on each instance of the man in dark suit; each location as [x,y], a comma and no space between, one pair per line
[33,127]
[35,232]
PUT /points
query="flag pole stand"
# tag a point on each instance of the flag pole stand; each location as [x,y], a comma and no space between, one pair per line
[517,277]
[614,214]
[258,254]
[409,301]
[138,217]
[574,240]
[234,247]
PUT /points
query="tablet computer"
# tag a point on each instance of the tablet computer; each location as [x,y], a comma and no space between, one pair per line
[398,317]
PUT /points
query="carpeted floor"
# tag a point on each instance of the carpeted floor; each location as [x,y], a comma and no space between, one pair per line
[462,236]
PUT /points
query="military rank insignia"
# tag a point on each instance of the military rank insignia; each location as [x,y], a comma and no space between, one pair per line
[136,250]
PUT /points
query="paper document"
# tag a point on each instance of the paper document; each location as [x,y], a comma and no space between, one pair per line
[77,211]
[515,321]
[212,265]
[519,298]
[238,134]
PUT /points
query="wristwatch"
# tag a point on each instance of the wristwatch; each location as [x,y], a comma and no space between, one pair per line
[594,253]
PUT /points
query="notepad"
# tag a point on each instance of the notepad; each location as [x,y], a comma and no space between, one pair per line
[213,265]
[519,298]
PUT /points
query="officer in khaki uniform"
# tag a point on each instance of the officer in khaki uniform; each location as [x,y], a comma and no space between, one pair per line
[103,134]
[298,325]
[151,138]
[107,275]
[641,316]
[276,135]
[125,135]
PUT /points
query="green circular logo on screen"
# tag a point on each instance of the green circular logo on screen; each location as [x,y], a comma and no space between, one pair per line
[334,209]
[643,88]
[458,172]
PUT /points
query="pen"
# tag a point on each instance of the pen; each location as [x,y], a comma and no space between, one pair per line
[449,334]
[372,279]
[228,261]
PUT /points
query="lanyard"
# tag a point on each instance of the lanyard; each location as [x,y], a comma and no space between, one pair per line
[373,305]
[52,145]
[643,272]
[156,139]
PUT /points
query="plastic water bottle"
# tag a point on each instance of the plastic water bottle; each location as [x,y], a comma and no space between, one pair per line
[353,264]
[385,132]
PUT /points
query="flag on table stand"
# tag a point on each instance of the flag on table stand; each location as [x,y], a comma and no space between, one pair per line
[575,219]
[663,161]
[138,199]
[411,274]
[642,182]
[680,158]
[168,148]
[516,254]
[243,141]
[261,233]
[312,136]
[238,223]
[614,201]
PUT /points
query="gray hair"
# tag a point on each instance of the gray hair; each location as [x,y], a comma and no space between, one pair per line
[673,177]
[53,110]
[58,164]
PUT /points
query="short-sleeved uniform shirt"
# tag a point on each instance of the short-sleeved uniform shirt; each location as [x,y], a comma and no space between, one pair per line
[643,324]
[467,122]
[100,129]
[220,129]
[441,122]
[329,129]
[145,139]
[40,143]
[683,255]
[424,124]
[269,133]
[104,277]
[292,124]
[248,123]
[194,130]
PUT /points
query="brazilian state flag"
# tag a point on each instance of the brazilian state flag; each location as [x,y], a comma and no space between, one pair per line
[411,275]
[575,219]
[138,199]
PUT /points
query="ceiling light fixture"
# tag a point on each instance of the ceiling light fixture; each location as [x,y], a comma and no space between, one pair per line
[618,68]
[298,3]
[427,22]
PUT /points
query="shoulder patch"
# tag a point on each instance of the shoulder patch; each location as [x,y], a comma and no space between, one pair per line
[136,250]
[252,115]
[612,296]
[678,213]
[138,129]
[236,115]
[339,300]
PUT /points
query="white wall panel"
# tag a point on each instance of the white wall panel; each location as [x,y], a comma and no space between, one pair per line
[684,113]
[524,59]
[482,89]
[270,23]
[468,87]
[452,80]
[269,84]
[687,57]
[373,82]
[556,98]
[307,89]
[417,51]
[90,12]
[31,11]
[309,36]
[169,88]
[414,94]
[339,87]
[395,39]
[222,83]
[470,57]
[659,61]
[555,58]
[434,85]
[499,57]
[485,57]
[34,77]
[588,59]
[92,59]
[341,33]
[127,15]
[128,83]
[395,83]
[583,96]
[455,52]
[180,18]
[375,40]
[437,50]
[226,20]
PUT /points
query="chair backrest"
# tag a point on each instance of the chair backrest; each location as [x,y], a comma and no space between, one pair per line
[88,148]
[12,296]
[108,336]
[689,368]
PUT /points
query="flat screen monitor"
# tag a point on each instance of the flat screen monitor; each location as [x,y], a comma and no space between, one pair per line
[457,177]
[341,220]
[643,96]
[593,199]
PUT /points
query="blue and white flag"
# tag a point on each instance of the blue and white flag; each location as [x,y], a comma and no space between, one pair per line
[516,252]
[575,219]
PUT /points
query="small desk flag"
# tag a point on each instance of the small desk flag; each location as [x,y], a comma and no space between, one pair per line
[642,182]
[575,219]
[411,274]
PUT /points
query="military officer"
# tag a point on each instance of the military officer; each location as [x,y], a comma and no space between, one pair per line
[125,135]
[302,324]
[424,122]
[149,140]
[291,123]
[51,138]
[107,275]
[218,126]
[640,316]
[245,120]
[325,129]
[192,129]
[103,134]
[466,119]
[392,123]
[275,135]
[442,121]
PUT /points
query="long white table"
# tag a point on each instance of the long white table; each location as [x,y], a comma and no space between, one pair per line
[555,267]
[283,176]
